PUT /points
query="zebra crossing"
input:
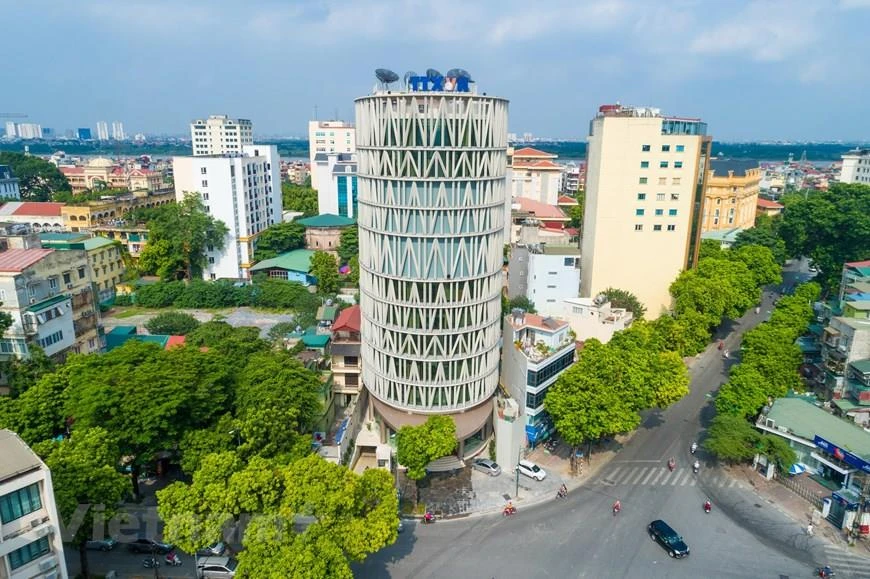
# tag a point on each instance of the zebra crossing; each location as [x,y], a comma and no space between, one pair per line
[846,564]
[649,476]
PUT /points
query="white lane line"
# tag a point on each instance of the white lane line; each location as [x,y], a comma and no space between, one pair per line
[660,471]
[636,479]
[648,476]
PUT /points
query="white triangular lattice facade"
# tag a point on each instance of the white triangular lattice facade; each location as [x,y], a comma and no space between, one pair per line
[431,181]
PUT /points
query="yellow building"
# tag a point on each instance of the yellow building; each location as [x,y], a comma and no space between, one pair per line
[731,195]
[102,172]
[106,211]
[103,255]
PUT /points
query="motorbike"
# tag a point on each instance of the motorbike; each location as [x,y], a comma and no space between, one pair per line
[150,563]
[708,507]
[561,494]
[428,519]
[824,572]
[696,467]
[172,559]
[694,447]
[508,511]
[672,464]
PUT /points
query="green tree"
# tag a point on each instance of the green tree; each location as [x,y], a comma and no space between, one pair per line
[224,436]
[39,413]
[279,238]
[178,238]
[84,476]
[831,227]
[172,323]
[764,234]
[281,329]
[732,439]
[761,263]
[23,374]
[777,450]
[299,198]
[348,248]
[521,302]
[325,269]
[620,298]
[37,178]
[743,394]
[709,248]
[575,212]
[417,446]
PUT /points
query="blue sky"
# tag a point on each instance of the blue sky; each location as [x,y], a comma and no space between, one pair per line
[753,69]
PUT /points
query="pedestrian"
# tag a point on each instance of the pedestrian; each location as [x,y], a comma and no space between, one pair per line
[810,529]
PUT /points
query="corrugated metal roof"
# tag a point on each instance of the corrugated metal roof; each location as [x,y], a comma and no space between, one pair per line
[17,456]
[326,220]
[298,260]
[17,260]
[806,420]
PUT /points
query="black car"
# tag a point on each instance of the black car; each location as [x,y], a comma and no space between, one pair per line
[149,546]
[668,538]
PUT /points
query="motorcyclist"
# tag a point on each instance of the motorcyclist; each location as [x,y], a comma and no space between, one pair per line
[708,506]
[672,463]
[694,447]
[826,572]
[428,517]
[696,466]
[510,508]
[617,506]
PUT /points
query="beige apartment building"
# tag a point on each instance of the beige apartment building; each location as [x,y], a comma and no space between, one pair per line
[329,137]
[644,182]
[731,195]
[220,135]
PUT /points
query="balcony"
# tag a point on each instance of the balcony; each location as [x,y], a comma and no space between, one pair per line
[537,353]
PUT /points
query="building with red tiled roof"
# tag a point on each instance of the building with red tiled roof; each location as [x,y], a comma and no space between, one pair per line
[564,200]
[105,173]
[41,216]
[17,260]
[534,174]
[545,213]
[768,207]
[345,351]
[348,320]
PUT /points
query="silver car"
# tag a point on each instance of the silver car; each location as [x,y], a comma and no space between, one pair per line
[486,466]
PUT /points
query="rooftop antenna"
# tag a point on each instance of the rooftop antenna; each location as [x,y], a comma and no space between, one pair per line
[386,77]
[315,113]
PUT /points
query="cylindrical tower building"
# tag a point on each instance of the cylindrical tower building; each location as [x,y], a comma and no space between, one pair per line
[431,182]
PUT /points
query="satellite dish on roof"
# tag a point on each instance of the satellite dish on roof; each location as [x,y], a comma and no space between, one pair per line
[408,76]
[462,73]
[432,74]
[329,302]
[386,76]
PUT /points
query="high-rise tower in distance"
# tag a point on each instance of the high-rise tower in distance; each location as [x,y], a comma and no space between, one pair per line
[431,176]
[645,177]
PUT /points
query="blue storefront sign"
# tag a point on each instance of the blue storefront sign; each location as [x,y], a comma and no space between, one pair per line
[840,454]
[438,84]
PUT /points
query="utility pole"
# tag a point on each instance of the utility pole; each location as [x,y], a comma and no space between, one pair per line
[517,473]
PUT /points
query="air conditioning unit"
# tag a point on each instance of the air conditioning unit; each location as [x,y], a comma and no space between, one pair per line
[69,286]
[49,563]
[32,300]
[35,523]
[44,531]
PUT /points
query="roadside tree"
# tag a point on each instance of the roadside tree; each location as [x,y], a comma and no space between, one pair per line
[325,269]
[417,446]
[172,323]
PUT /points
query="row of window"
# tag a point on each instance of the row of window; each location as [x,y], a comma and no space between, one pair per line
[51,339]
[30,552]
[665,148]
[659,196]
[662,180]
[534,378]
[639,227]
[13,346]
[20,503]
[642,212]
[662,164]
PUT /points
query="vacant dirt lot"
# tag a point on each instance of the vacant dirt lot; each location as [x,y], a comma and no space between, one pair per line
[235,317]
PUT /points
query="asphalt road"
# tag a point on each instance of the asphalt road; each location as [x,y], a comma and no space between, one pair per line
[579,537]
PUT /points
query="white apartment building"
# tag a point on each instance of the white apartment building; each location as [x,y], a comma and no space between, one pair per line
[11,131]
[242,190]
[31,544]
[220,135]
[336,183]
[595,318]
[118,133]
[645,178]
[856,167]
[534,174]
[9,188]
[102,131]
[329,137]
[546,274]
[535,351]
[28,131]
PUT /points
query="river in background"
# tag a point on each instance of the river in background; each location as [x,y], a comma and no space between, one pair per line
[297,149]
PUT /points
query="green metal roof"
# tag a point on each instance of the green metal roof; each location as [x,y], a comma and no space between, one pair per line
[326,220]
[97,242]
[62,237]
[297,260]
[862,366]
[47,303]
[805,419]
[315,340]
[327,313]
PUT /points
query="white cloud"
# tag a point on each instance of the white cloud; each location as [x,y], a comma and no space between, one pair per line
[853,4]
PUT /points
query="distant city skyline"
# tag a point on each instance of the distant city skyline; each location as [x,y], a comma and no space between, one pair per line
[756,70]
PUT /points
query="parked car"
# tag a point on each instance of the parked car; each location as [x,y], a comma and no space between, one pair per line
[531,470]
[101,544]
[149,546]
[487,466]
[216,567]
[664,535]
[214,550]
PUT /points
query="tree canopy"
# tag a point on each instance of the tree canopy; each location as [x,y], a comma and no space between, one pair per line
[417,446]
[624,299]
[172,323]
[178,236]
[348,248]
[325,269]
[37,178]
[279,238]
[765,234]
[299,198]
[832,227]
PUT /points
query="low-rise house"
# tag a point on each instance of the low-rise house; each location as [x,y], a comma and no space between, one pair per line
[291,266]
[132,237]
[856,403]
[104,257]
[120,335]
[844,340]
[595,318]
[534,175]
[40,215]
[545,274]
[105,173]
[724,237]
[768,207]
[323,232]
[30,526]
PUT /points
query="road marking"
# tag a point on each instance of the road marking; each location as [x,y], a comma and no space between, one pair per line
[661,471]
[651,472]
[633,480]
[693,481]
[614,473]
[680,474]
[732,483]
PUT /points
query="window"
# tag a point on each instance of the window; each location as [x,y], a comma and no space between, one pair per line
[28,553]
[672,227]
[205,196]
[642,181]
[644,148]
[67,278]
[551,287]
[638,212]
[535,378]
[663,164]
[644,164]
[2,295]
[211,260]
[659,212]
[203,170]
[678,164]
[19,503]
[641,196]
[672,212]
[351,361]
[569,262]
[52,283]
[660,196]
[657,227]
[638,227]
[663,180]
[681,148]
[666,148]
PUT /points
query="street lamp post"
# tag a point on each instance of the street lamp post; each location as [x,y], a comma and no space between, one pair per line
[517,472]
